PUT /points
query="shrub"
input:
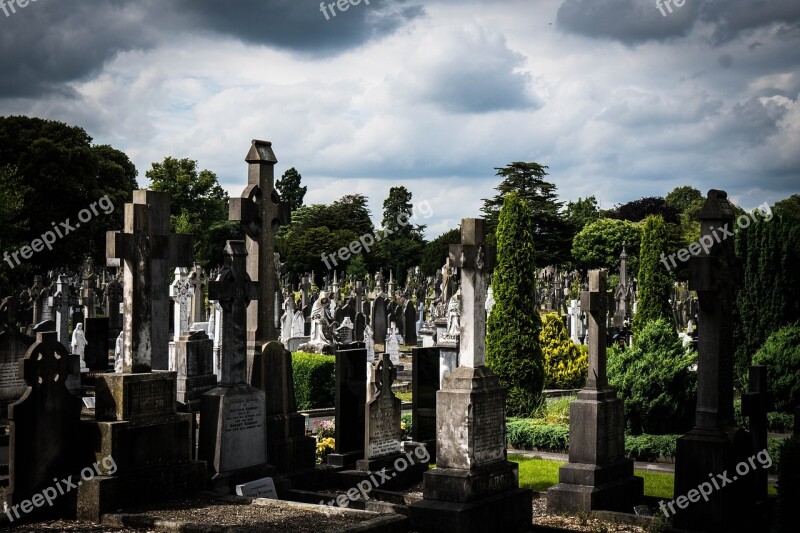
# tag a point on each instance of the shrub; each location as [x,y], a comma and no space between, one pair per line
[405,426]
[526,433]
[555,411]
[650,447]
[512,340]
[655,382]
[314,380]
[655,281]
[565,364]
[789,486]
[781,354]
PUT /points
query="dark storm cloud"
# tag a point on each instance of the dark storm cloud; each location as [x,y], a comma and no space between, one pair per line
[50,43]
[637,21]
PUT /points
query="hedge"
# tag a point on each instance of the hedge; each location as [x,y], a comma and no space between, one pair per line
[314,380]
[526,433]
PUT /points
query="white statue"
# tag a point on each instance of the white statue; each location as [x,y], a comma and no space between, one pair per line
[118,355]
[78,341]
[454,314]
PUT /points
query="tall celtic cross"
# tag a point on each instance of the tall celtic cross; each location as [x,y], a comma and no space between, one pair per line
[473,256]
[233,291]
[260,212]
[144,252]
[596,303]
[198,280]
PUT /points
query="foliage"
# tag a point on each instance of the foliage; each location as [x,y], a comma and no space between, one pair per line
[197,203]
[654,380]
[405,426]
[435,252]
[325,429]
[581,212]
[789,486]
[565,365]
[638,210]
[42,160]
[769,297]
[655,282]
[289,188]
[325,446]
[357,267]
[527,433]
[513,351]
[776,422]
[781,354]
[555,411]
[551,233]
[313,377]
[401,242]
[650,447]
[599,244]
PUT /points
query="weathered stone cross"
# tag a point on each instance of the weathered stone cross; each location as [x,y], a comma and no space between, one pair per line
[260,212]
[233,290]
[596,303]
[46,361]
[181,292]
[198,280]
[144,252]
[473,256]
[62,301]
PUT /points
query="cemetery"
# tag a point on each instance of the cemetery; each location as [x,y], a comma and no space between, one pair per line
[470,313]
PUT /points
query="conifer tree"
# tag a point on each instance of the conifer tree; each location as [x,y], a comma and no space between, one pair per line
[655,281]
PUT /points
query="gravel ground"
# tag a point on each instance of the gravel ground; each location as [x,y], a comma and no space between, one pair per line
[577,523]
[71,526]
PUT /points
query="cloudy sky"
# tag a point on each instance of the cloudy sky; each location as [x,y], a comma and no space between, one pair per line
[618,99]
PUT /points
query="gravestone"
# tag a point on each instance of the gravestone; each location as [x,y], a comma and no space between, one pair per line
[62,302]
[369,343]
[288,448]
[233,437]
[393,348]
[198,280]
[135,410]
[88,295]
[260,212]
[45,431]
[96,352]
[217,353]
[473,487]
[424,385]
[180,291]
[194,364]
[409,324]
[112,298]
[716,443]
[598,475]
[382,421]
[378,320]
[574,312]
[351,392]
[13,346]
[756,403]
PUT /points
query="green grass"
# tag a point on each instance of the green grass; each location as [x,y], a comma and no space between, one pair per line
[404,396]
[541,474]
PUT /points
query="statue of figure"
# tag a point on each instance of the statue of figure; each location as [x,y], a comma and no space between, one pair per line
[118,355]
[454,314]
[322,323]
[78,341]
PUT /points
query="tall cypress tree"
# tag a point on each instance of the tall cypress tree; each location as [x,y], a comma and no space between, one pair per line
[655,281]
[513,350]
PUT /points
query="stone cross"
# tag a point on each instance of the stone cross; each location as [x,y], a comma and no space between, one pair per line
[233,290]
[596,302]
[473,256]
[144,251]
[198,280]
[36,292]
[756,403]
[574,312]
[305,290]
[713,275]
[46,361]
[62,301]
[623,295]
[181,292]
[87,290]
[359,292]
[260,212]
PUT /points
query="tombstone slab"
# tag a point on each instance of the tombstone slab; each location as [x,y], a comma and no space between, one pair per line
[424,385]
[351,393]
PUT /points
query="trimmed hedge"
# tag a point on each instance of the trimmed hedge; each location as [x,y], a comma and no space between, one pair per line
[314,378]
[650,447]
[526,433]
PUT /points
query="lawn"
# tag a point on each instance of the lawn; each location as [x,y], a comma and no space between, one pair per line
[541,474]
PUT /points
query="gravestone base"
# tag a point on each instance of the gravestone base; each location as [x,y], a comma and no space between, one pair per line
[712,451]
[233,435]
[506,511]
[345,459]
[598,476]
[288,445]
[138,426]
[383,473]
[317,347]
[463,486]
[295,343]
[191,389]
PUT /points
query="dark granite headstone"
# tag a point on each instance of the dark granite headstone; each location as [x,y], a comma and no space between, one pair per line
[96,351]
[360,323]
[378,320]
[756,403]
[424,385]
[409,324]
[351,396]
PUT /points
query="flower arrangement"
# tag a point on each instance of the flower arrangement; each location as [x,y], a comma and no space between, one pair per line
[326,443]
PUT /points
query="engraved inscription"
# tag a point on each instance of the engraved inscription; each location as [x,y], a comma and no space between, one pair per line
[11,385]
[149,397]
[384,426]
[243,436]
[488,433]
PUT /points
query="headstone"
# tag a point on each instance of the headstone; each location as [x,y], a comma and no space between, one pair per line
[180,291]
[62,302]
[369,343]
[260,488]
[87,289]
[13,346]
[233,438]
[198,280]
[351,392]
[756,403]
[598,475]
[410,324]
[378,320]
[288,447]
[45,431]
[135,411]
[382,419]
[715,444]
[424,385]
[194,363]
[260,212]
[473,487]
[96,352]
[393,349]
[574,312]
[360,323]
[112,298]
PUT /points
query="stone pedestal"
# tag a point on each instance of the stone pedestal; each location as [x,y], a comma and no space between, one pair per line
[473,487]
[194,365]
[598,476]
[351,397]
[137,425]
[233,437]
[96,352]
